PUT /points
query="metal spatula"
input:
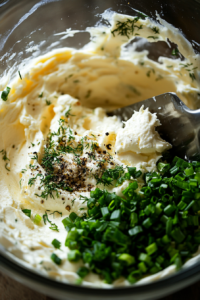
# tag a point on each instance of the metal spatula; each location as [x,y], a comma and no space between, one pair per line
[180,125]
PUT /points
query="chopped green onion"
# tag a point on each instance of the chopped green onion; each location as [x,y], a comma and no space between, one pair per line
[190,205]
[134,276]
[37,219]
[127,258]
[189,171]
[135,230]
[142,267]
[151,249]
[181,184]
[166,239]
[181,205]
[168,210]
[74,255]
[174,170]
[161,219]
[56,259]
[116,215]
[197,177]
[178,235]
[73,216]
[145,258]
[197,196]
[169,225]
[27,212]
[164,219]
[158,209]
[163,167]
[178,263]
[91,203]
[160,259]
[56,243]
[147,223]
[105,212]
[5,93]
[82,272]
[133,219]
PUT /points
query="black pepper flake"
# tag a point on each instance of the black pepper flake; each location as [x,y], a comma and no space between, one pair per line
[107,133]
[104,152]
[68,208]
[108,146]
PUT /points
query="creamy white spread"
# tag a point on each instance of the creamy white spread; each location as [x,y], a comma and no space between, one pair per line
[64,94]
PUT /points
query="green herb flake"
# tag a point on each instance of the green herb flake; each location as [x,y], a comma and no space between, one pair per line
[46,219]
[134,90]
[20,183]
[20,76]
[155,30]
[73,201]
[56,211]
[6,167]
[126,28]
[192,76]
[148,73]
[5,158]
[48,102]
[175,52]
[153,37]
[159,77]
[68,113]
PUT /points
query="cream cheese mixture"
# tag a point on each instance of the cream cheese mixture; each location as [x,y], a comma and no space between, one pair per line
[60,101]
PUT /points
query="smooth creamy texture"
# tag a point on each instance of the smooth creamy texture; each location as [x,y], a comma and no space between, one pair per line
[102,74]
[139,134]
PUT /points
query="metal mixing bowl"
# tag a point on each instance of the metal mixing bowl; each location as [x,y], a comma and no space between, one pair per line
[27,29]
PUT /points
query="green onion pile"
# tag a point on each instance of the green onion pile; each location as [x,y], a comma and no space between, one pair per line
[142,232]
